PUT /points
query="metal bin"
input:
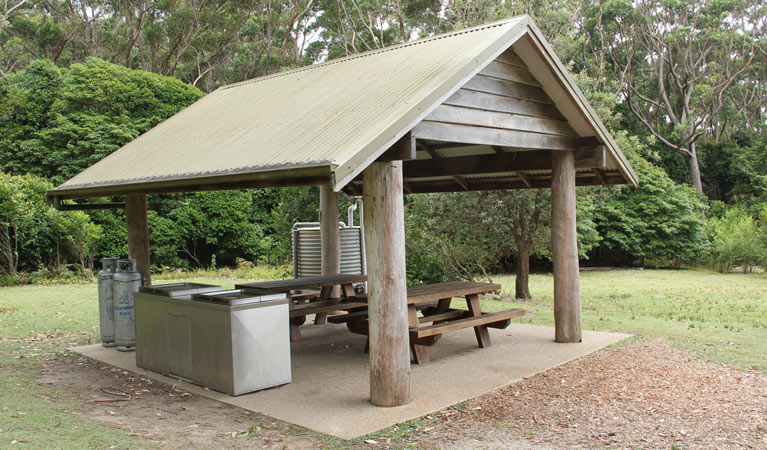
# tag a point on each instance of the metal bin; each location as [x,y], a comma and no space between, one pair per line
[232,341]
[239,343]
[155,306]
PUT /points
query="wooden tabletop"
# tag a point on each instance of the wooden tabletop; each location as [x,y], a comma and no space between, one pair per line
[433,292]
[306,282]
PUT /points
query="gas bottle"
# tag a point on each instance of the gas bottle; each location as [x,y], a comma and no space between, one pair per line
[125,282]
[106,301]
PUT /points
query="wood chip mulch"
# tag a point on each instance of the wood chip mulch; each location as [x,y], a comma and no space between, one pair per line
[641,395]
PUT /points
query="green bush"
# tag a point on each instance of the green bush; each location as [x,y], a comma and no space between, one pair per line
[737,239]
[470,234]
[56,122]
[35,237]
[658,222]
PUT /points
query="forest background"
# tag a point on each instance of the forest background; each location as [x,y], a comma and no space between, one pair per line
[680,84]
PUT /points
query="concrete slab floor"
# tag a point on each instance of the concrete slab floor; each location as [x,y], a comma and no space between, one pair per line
[330,388]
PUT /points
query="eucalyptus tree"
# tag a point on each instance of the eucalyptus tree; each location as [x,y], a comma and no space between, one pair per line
[676,62]
[354,26]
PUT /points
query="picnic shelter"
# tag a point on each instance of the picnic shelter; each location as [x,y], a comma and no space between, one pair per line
[485,108]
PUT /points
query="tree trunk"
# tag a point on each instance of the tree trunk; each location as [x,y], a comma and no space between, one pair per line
[522,285]
[692,161]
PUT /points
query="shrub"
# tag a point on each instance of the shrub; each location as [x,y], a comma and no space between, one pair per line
[659,221]
[36,237]
[737,239]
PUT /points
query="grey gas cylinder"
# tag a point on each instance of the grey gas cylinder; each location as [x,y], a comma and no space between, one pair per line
[106,301]
[125,282]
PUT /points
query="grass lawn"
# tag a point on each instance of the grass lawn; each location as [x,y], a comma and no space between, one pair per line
[722,317]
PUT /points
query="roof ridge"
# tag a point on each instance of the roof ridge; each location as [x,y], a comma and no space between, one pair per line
[375,52]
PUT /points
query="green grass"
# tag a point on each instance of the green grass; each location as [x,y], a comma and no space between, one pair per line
[245,271]
[722,317]
[40,322]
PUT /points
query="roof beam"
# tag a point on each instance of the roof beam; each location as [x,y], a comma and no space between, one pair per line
[429,150]
[590,158]
[442,145]
[525,179]
[538,182]
[403,149]
[598,173]
[462,181]
[434,155]
[85,206]
[519,173]
[588,141]
[158,188]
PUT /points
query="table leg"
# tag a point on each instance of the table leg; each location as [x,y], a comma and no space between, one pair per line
[321,318]
[294,323]
[442,305]
[483,337]
[295,332]
[348,290]
[420,354]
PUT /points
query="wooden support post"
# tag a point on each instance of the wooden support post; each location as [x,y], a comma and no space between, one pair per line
[564,249]
[330,241]
[138,235]
[387,289]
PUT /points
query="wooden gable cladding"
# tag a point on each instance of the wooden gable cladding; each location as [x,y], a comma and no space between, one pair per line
[502,105]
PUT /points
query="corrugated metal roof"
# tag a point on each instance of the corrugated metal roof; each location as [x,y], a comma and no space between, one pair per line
[323,122]
[337,113]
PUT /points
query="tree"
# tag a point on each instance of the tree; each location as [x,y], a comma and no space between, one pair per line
[34,234]
[523,215]
[452,236]
[55,122]
[216,226]
[198,42]
[468,234]
[676,62]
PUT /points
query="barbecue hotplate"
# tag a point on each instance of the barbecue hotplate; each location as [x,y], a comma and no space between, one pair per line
[239,296]
[179,289]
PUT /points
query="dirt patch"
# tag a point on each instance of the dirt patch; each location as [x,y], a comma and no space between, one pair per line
[642,395]
[162,414]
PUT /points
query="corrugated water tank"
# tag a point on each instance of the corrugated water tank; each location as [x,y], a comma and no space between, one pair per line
[307,253]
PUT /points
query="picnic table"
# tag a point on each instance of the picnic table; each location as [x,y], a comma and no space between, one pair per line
[434,301]
[319,300]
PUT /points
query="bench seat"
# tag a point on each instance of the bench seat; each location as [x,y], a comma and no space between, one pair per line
[501,319]
[323,307]
[450,314]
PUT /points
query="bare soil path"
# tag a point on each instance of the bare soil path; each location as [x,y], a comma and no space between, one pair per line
[163,415]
